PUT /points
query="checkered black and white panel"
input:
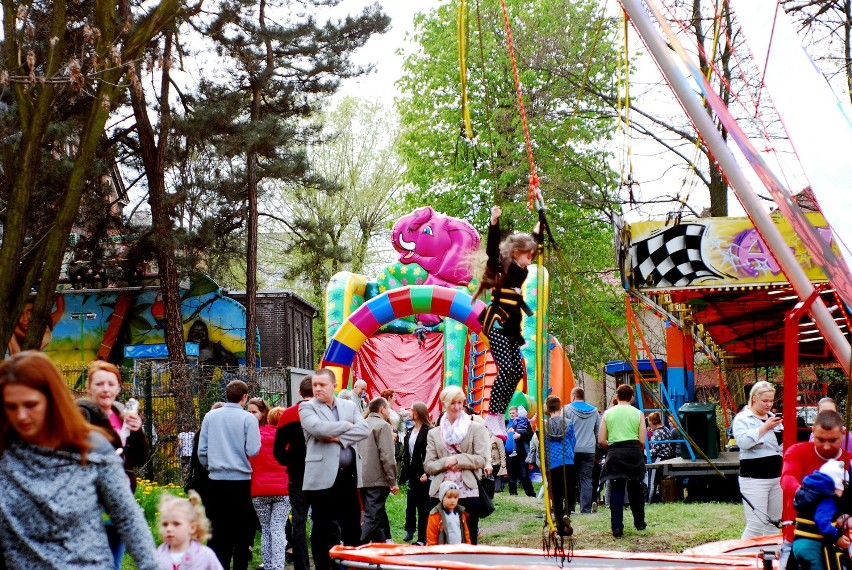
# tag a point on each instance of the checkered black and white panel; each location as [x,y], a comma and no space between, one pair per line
[671,258]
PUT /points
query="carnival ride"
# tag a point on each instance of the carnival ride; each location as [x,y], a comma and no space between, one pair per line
[373,326]
[464,556]
[745,293]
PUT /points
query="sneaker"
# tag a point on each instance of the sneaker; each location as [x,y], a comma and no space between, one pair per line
[617,532]
[642,526]
[418,543]
[408,537]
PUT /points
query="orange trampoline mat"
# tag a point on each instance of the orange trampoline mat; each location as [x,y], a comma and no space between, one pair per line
[459,557]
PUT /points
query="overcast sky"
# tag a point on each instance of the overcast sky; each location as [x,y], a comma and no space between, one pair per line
[381,48]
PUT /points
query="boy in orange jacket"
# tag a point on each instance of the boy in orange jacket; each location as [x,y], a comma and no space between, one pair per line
[447,521]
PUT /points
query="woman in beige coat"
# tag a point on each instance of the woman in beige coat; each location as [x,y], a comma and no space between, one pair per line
[459,450]
[498,461]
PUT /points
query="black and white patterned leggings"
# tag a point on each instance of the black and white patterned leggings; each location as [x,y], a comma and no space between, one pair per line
[510,370]
[272,512]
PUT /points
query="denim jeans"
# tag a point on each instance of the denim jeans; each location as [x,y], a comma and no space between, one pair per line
[584,464]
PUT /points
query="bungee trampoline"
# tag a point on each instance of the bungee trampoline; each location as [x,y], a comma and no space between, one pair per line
[458,557]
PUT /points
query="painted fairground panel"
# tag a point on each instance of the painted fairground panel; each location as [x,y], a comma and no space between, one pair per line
[89,325]
[712,252]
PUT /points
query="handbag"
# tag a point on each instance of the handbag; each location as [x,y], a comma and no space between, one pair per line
[486,502]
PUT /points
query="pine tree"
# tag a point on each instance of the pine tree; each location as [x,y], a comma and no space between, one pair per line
[279,65]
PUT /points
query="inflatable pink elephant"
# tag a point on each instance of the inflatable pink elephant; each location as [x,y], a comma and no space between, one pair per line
[445,247]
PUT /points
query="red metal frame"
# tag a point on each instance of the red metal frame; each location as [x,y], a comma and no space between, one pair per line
[791,365]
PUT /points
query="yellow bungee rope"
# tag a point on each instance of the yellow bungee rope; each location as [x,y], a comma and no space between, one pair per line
[462,35]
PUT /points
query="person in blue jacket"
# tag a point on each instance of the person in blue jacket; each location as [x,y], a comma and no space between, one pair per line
[819,544]
[519,435]
[559,442]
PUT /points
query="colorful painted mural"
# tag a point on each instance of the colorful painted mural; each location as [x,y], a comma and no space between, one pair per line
[87,325]
[713,252]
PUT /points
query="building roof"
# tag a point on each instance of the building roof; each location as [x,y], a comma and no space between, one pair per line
[275,293]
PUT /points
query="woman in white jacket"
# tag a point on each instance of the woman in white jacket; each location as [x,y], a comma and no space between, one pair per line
[758,434]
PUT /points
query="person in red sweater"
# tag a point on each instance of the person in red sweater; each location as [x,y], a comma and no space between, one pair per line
[290,451]
[803,459]
[270,495]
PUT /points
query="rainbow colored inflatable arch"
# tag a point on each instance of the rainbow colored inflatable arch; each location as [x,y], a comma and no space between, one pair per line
[398,303]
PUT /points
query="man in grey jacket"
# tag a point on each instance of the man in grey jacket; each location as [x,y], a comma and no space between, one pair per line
[378,477]
[586,423]
[229,436]
[332,426]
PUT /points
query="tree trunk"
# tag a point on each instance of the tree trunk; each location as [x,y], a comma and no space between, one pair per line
[251,251]
[153,152]
[847,44]
[251,198]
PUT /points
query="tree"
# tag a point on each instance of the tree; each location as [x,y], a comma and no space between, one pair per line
[708,27]
[340,224]
[282,68]
[828,29]
[360,159]
[153,147]
[569,126]
[562,48]
[60,61]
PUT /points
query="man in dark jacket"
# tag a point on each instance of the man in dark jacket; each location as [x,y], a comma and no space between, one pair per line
[586,423]
[289,450]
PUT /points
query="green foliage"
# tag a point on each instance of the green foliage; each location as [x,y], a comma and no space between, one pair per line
[63,68]
[562,48]
[336,222]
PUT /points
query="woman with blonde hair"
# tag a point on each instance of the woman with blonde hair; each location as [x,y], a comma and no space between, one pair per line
[459,450]
[758,434]
[59,475]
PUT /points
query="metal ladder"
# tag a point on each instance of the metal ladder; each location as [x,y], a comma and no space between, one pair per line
[638,344]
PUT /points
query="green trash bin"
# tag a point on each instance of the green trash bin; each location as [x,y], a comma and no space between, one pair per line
[699,421]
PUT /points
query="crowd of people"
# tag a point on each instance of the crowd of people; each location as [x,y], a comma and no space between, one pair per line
[67,479]
[67,471]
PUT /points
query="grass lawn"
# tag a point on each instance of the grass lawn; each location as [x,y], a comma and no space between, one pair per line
[672,527]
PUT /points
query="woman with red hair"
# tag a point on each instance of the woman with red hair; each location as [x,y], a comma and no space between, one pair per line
[59,474]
